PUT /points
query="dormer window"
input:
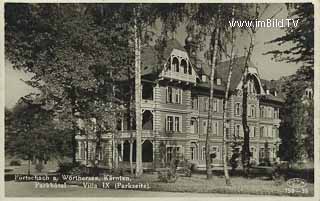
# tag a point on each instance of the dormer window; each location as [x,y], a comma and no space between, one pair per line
[308,93]
[190,69]
[184,65]
[175,64]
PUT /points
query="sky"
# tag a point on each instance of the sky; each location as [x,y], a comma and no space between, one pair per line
[268,69]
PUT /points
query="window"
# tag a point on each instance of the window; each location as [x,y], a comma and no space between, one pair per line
[169,123]
[169,95]
[269,112]
[190,69]
[261,154]
[274,132]
[173,123]
[237,109]
[177,124]
[193,126]
[169,153]
[276,113]
[252,131]
[253,152]
[206,103]
[237,130]
[262,134]
[205,126]
[174,95]
[178,95]
[215,105]
[193,150]
[270,131]
[262,112]
[203,153]
[184,65]
[175,64]
[120,124]
[252,111]
[194,103]
[173,152]
[82,150]
[214,127]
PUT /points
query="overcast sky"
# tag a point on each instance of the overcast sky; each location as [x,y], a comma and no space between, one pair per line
[268,69]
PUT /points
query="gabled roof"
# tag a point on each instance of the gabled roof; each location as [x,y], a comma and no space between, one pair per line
[150,58]
[222,70]
[150,65]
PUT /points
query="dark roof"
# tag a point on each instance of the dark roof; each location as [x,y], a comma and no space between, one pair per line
[149,57]
[150,65]
[222,70]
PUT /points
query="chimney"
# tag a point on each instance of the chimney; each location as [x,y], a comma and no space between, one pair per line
[268,91]
[218,81]
[204,78]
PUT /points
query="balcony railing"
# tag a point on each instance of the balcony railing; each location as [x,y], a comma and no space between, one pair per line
[179,76]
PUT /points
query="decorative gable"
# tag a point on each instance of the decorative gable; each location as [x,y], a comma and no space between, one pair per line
[178,67]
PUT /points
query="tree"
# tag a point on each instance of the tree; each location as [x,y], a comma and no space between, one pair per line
[302,37]
[213,20]
[32,133]
[225,107]
[296,129]
[48,40]
[256,11]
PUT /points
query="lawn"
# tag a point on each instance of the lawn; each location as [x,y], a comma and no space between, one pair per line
[198,183]
[240,185]
[257,184]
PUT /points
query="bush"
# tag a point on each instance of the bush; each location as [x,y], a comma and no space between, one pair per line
[167,175]
[39,167]
[71,168]
[15,163]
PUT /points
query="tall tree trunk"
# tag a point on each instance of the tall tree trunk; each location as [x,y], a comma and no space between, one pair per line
[209,128]
[225,110]
[74,125]
[246,130]
[137,48]
[130,121]
[29,165]
[131,155]
[98,148]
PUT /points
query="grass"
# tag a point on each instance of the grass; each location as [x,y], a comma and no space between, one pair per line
[199,184]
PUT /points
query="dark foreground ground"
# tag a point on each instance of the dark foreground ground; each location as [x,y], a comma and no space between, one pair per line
[27,189]
[194,186]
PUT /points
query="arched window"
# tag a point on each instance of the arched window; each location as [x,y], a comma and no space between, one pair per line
[237,109]
[237,130]
[190,69]
[253,111]
[184,65]
[175,64]
[262,134]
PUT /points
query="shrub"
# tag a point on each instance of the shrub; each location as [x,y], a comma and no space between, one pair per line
[167,175]
[71,168]
[39,167]
[15,163]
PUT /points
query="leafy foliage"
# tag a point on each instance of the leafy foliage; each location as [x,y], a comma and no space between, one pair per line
[32,134]
[301,36]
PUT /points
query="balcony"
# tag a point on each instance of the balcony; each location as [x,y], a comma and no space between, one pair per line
[180,76]
[147,103]
[128,134]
